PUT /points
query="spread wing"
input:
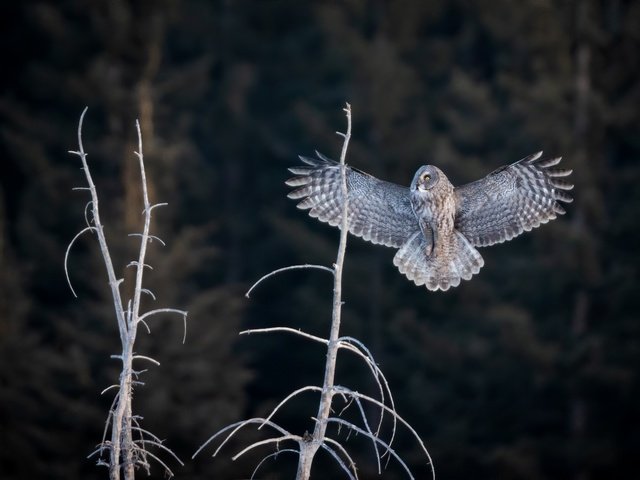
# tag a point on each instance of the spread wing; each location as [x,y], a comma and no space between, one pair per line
[512,199]
[379,212]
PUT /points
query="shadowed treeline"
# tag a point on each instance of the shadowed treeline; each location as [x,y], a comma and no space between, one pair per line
[526,372]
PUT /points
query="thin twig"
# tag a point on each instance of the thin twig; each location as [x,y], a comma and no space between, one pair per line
[267,441]
[359,348]
[236,427]
[160,462]
[351,426]
[289,397]
[395,415]
[267,457]
[285,269]
[366,424]
[285,329]
[333,453]
[159,445]
[183,313]
[149,359]
[115,385]
[66,256]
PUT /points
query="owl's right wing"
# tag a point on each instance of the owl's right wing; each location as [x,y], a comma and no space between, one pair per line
[378,211]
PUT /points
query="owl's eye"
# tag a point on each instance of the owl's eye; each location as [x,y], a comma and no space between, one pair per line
[426,177]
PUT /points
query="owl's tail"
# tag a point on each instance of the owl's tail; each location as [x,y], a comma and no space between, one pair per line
[444,268]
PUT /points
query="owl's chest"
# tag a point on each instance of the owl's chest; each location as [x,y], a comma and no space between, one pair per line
[438,212]
[436,216]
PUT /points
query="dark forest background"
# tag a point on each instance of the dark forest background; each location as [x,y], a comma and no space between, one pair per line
[529,371]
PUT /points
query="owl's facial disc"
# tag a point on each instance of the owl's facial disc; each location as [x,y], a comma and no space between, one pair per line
[426,178]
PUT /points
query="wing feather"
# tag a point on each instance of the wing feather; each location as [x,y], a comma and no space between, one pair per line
[511,200]
[378,211]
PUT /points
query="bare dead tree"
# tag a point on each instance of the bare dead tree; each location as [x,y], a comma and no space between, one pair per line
[127,448]
[309,444]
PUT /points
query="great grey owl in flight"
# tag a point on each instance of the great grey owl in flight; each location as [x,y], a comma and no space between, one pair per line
[435,225]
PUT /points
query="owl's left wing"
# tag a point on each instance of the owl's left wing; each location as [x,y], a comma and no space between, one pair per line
[378,211]
[511,200]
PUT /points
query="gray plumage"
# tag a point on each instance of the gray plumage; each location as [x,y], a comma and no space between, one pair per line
[435,225]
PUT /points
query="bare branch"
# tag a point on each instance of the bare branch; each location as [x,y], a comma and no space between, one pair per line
[267,457]
[151,207]
[146,325]
[158,443]
[377,374]
[86,212]
[109,388]
[143,432]
[236,427]
[104,445]
[285,329]
[395,415]
[150,238]
[275,440]
[149,359]
[162,310]
[167,310]
[99,449]
[135,264]
[368,428]
[352,464]
[289,397]
[361,350]
[351,426]
[148,292]
[160,462]
[285,269]
[66,256]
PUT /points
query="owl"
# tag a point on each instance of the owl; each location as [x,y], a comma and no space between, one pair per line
[435,226]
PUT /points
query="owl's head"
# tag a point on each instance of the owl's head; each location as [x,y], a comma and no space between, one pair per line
[426,178]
